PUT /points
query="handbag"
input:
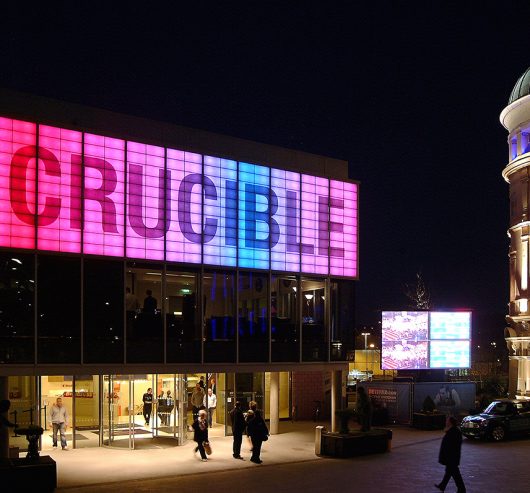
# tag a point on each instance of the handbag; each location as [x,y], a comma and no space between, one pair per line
[207,448]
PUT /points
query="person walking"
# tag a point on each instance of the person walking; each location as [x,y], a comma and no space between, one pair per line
[59,421]
[148,405]
[200,434]
[197,400]
[450,450]
[257,431]
[238,428]
[212,404]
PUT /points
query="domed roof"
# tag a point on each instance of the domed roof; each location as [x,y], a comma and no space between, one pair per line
[521,88]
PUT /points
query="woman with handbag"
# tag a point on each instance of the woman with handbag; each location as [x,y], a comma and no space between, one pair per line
[200,434]
[257,431]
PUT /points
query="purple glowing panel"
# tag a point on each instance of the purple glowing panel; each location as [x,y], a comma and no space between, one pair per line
[17,183]
[220,212]
[285,254]
[104,196]
[315,216]
[184,238]
[59,186]
[147,201]
[343,228]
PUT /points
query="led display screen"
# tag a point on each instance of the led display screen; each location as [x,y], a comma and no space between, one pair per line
[70,191]
[423,340]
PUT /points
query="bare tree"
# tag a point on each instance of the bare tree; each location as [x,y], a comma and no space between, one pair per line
[418,294]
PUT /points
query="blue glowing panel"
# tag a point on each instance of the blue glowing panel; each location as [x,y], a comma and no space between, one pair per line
[254,209]
[220,211]
[285,253]
[450,325]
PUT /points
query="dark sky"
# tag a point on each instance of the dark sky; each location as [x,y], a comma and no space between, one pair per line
[408,94]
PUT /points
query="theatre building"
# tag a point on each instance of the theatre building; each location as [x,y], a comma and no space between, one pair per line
[136,254]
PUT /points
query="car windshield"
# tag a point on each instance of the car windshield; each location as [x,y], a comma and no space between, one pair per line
[499,408]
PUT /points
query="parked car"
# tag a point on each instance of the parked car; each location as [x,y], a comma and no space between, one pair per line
[501,418]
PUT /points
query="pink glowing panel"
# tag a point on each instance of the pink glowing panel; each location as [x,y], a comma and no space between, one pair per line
[59,189]
[285,254]
[315,236]
[17,183]
[104,196]
[183,240]
[146,202]
[343,229]
[220,211]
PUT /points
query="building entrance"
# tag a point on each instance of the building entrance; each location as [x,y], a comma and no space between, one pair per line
[143,411]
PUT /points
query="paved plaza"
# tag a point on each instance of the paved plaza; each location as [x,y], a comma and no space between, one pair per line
[290,465]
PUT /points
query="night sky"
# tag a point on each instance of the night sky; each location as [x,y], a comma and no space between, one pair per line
[408,94]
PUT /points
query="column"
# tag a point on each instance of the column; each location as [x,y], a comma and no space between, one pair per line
[526,363]
[274,402]
[336,398]
[4,430]
[521,382]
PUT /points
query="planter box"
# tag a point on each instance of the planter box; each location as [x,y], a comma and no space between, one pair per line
[24,475]
[356,443]
[425,421]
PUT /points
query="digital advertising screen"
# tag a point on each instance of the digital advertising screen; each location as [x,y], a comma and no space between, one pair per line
[423,340]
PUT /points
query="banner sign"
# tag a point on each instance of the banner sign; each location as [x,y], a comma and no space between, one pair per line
[69,191]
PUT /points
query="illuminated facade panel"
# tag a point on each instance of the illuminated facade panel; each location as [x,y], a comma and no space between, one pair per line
[104,195]
[108,197]
[17,192]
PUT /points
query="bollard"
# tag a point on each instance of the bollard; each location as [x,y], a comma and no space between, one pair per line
[318,439]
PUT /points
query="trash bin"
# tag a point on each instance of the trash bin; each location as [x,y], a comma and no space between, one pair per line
[318,439]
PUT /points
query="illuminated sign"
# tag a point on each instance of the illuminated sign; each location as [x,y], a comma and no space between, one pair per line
[422,340]
[69,191]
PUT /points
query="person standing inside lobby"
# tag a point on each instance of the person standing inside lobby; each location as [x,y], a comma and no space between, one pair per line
[211,404]
[59,421]
[148,405]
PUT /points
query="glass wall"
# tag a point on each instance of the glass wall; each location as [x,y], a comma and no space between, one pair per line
[285,329]
[219,301]
[253,313]
[131,312]
[17,304]
[143,313]
[103,311]
[59,309]
[182,318]
[314,326]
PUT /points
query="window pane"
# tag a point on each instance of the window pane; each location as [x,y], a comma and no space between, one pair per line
[253,317]
[145,331]
[342,320]
[103,311]
[182,320]
[314,347]
[59,306]
[284,319]
[17,289]
[219,317]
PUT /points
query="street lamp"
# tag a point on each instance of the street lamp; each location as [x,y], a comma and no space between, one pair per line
[365,334]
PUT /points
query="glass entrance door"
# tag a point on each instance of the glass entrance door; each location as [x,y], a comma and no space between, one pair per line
[143,411]
[117,413]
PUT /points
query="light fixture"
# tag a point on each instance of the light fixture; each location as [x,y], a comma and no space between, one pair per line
[17,261]
[308,296]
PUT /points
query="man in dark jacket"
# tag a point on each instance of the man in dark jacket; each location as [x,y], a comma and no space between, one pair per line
[257,431]
[238,428]
[450,456]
